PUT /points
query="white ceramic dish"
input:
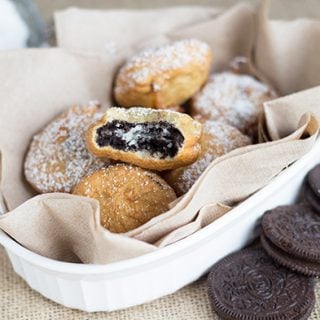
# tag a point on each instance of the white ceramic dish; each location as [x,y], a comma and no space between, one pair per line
[142,279]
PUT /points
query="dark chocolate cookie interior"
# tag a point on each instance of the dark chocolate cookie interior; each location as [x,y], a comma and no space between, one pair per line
[161,139]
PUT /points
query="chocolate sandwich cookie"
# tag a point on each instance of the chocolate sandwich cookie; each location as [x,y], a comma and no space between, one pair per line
[250,285]
[306,267]
[308,196]
[295,230]
[314,180]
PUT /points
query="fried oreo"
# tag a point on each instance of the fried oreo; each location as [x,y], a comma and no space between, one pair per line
[128,196]
[164,76]
[249,285]
[308,196]
[152,139]
[58,158]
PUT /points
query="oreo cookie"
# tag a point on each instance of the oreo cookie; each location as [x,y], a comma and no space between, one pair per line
[308,196]
[250,285]
[308,268]
[314,180]
[295,230]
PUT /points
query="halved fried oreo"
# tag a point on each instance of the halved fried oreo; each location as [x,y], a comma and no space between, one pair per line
[152,139]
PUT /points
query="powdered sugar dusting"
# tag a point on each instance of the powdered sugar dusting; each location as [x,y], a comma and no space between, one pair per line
[217,139]
[232,98]
[134,113]
[58,157]
[148,64]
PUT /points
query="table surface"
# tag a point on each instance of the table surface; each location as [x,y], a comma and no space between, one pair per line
[19,302]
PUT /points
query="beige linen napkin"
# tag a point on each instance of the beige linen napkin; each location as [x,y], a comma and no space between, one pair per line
[38,84]
[285,52]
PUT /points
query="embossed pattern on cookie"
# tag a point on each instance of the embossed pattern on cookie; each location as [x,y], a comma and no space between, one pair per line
[250,285]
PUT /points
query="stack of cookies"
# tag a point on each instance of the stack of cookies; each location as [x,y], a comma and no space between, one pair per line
[274,278]
[171,121]
[291,236]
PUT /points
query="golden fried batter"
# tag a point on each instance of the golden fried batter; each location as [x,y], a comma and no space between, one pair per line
[165,76]
[129,196]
